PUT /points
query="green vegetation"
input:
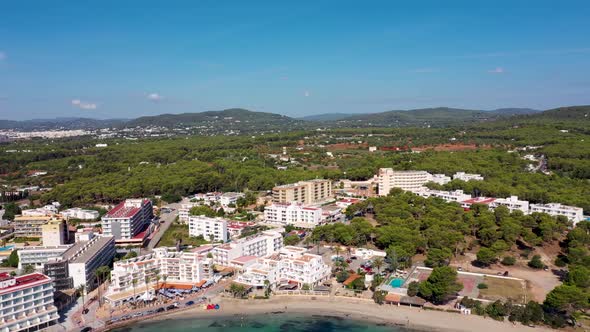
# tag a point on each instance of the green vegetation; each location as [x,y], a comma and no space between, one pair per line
[536,262]
[179,232]
[12,260]
[291,240]
[440,285]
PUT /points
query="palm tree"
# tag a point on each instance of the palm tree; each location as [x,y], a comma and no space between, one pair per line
[134,283]
[81,291]
[267,287]
[165,277]
[378,263]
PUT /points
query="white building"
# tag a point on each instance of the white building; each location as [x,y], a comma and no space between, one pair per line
[449,196]
[39,255]
[412,181]
[127,219]
[230,198]
[185,210]
[47,210]
[512,203]
[289,265]
[78,213]
[208,228]
[441,179]
[27,303]
[258,245]
[293,214]
[54,233]
[574,214]
[180,268]
[467,177]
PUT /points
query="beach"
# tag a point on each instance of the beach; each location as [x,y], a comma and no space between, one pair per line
[353,309]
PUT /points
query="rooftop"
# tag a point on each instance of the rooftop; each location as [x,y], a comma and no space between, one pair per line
[21,281]
[100,242]
[125,210]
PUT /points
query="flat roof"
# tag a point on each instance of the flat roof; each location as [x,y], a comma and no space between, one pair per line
[122,211]
[88,253]
[23,281]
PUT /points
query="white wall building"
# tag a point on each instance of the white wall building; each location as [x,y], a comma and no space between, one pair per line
[186,268]
[54,233]
[574,214]
[208,227]
[406,180]
[185,209]
[293,214]
[258,245]
[230,198]
[467,176]
[290,264]
[78,213]
[87,257]
[39,255]
[26,302]
[127,219]
[512,203]
[449,196]
[441,179]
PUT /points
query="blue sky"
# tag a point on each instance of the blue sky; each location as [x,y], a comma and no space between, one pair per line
[129,58]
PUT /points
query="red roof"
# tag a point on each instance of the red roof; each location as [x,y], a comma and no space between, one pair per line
[480,200]
[244,259]
[121,211]
[23,281]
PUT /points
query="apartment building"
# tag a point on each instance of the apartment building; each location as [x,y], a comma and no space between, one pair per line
[47,210]
[293,214]
[303,192]
[37,256]
[230,198]
[128,219]
[441,179]
[26,303]
[180,268]
[467,176]
[54,233]
[208,228]
[289,265]
[413,181]
[78,213]
[258,245]
[574,214]
[30,226]
[185,210]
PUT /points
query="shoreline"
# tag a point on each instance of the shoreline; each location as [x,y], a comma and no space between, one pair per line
[353,309]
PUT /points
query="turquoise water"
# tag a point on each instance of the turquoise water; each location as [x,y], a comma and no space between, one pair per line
[261,323]
[6,248]
[397,282]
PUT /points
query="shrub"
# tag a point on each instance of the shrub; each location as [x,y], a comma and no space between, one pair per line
[482,286]
[536,262]
[508,260]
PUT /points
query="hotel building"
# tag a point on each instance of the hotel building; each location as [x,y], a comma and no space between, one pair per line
[290,265]
[467,176]
[26,303]
[413,181]
[293,214]
[128,219]
[303,192]
[180,268]
[77,213]
[29,226]
[258,245]
[512,203]
[54,233]
[574,214]
[208,228]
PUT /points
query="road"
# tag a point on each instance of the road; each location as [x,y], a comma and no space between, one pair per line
[166,220]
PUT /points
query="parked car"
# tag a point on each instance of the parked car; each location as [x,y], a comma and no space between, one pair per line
[160,309]
[86,329]
[190,303]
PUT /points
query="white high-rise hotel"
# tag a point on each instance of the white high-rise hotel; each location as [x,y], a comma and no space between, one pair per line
[293,214]
[208,228]
[127,219]
[258,245]
[26,302]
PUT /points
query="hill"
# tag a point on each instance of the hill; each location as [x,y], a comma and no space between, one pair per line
[433,117]
[326,117]
[60,123]
[570,113]
[226,120]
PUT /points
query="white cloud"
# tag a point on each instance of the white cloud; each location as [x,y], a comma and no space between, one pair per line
[155,97]
[306,94]
[83,105]
[2,56]
[497,70]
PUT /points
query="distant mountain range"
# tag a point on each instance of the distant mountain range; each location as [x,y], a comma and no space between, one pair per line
[241,120]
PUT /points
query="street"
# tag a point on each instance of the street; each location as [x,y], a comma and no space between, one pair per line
[166,220]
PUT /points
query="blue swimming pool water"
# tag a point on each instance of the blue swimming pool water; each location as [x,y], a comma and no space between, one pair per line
[397,282]
[6,248]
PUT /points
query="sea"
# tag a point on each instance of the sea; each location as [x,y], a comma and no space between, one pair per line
[261,323]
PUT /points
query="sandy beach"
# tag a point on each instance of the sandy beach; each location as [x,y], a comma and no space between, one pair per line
[356,309]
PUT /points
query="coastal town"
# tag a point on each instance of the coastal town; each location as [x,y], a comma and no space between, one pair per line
[83,269]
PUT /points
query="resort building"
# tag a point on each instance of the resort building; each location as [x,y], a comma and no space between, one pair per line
[182,269]
[293,214]
[303,192]
[357,188]
[37,256]
[259,245]
[29,226]
[54,233]
[291,265]
[512,203]
[78,213]
[47,210]
[235,228]
[441,179]
[574,214]
[413,181]
[449,196]
[27,303]
[230,198]
[208,228]
[128,219]
[185,210]
[467,176]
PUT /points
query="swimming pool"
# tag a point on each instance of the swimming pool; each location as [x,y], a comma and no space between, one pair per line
[397,282]
[6,248]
